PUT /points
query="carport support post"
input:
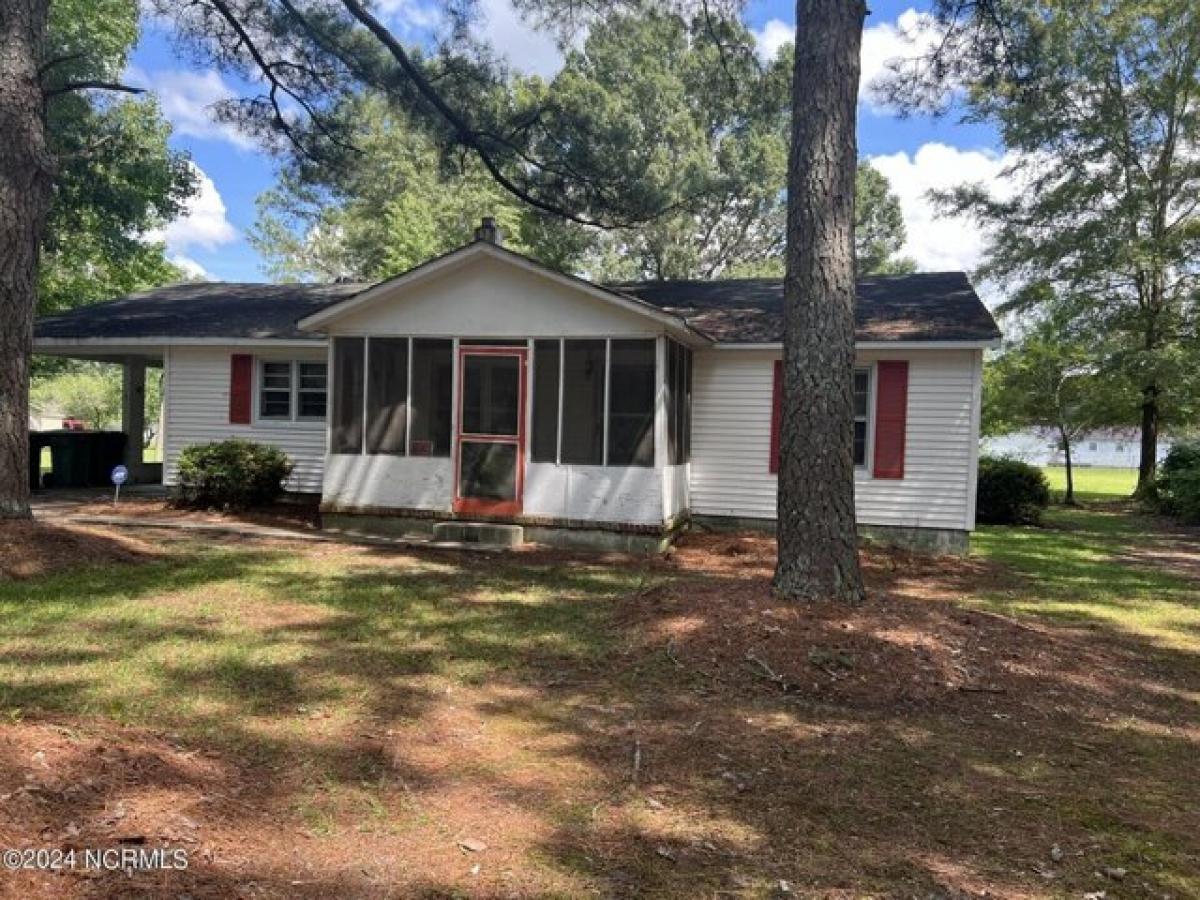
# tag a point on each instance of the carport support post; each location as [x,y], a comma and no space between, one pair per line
[133,414]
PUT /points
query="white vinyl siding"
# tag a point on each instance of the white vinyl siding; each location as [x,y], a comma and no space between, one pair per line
[731,440]
[197,411]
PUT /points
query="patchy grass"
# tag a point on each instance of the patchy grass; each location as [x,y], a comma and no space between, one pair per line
[319,720]
[1093,483]
[1092,569]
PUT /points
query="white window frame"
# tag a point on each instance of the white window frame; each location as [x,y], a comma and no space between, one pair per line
[297,390]
[869,443]
[293,390]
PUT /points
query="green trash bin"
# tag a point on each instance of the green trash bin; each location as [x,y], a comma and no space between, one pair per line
[69,459]
[35,461]
[106,451]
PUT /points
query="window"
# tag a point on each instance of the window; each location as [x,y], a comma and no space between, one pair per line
[583,371]
[432,396]
[311,390]
[631,390]
[679,404]
[346,432]
[547,361]
[387,396]
[275,391]
[862,405]
[289,389]
[862,415]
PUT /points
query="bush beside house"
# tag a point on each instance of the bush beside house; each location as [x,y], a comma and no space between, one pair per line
[1177,487]
[1010,492]
[232,474]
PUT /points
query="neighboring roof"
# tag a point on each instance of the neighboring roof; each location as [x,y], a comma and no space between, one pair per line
[196,310]
[927,306]
[939,307]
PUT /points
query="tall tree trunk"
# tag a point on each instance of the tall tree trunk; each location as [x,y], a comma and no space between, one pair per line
[1069,499]
[1148,452]
[818,546]
[25,172]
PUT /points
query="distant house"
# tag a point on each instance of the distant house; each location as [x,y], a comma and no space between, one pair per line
[484,385]
[45,418]
[1118,448]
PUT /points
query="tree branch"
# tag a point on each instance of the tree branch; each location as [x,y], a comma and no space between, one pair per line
[91,84]
[463,131]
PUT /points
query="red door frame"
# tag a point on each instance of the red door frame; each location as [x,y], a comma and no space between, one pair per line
[475,505]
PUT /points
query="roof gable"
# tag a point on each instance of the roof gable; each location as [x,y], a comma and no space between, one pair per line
[356,310]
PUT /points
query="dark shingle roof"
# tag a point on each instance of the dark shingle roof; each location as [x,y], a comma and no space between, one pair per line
[200,310]
[928,306]
[924,307]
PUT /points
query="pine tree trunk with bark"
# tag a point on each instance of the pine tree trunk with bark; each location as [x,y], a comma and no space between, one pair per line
[25,178]
[818,545]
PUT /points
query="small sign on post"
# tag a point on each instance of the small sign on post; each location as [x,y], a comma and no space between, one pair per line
[120,475]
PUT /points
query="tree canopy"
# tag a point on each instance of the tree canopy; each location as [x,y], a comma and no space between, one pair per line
[116,176]
[710,138]
[1099,106]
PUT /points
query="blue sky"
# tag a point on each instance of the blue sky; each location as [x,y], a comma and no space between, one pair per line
[917,154]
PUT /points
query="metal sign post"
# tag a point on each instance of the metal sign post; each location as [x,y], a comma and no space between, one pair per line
[120,475]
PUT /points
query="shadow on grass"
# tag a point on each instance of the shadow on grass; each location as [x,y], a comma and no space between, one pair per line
[320,683]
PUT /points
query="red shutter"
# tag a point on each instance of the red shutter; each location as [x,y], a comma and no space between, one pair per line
[891,417]
[241,375]
[776,417]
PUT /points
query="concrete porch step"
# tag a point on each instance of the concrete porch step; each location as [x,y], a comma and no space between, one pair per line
[492,533]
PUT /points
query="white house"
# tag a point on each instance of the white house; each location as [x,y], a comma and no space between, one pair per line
[485,386]
[1117,448]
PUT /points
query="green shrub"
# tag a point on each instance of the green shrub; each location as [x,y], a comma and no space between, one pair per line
[231,474]
[1177,487]
[1010,492]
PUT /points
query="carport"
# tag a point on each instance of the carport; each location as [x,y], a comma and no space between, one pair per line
[134,360]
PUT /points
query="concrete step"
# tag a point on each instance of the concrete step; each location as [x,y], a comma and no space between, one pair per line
[493,533]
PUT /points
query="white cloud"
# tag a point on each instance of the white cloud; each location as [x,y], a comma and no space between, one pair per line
[410,16]
[203,225]
[940,243]
[529,50]
[911,35]
[191,268]
[772,38]
[187,98]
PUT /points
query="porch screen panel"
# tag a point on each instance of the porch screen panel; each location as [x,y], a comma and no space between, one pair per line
[432,396]
[671,377]
[583,402]
[387,396]
[346,432]
[544,445]
[631,403]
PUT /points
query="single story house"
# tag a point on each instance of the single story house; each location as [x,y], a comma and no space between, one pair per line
[1116,448]
[483,385]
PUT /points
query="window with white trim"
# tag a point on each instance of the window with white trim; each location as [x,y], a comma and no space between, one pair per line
[862,414]
[290,390]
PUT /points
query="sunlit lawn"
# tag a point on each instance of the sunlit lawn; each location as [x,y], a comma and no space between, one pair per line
[1082,568]
[1093,483]
[365,696]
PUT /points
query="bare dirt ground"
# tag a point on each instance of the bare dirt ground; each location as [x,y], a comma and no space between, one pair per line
[727,745]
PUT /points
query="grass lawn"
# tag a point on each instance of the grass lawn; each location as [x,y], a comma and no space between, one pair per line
[1094,483]
[314,720]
